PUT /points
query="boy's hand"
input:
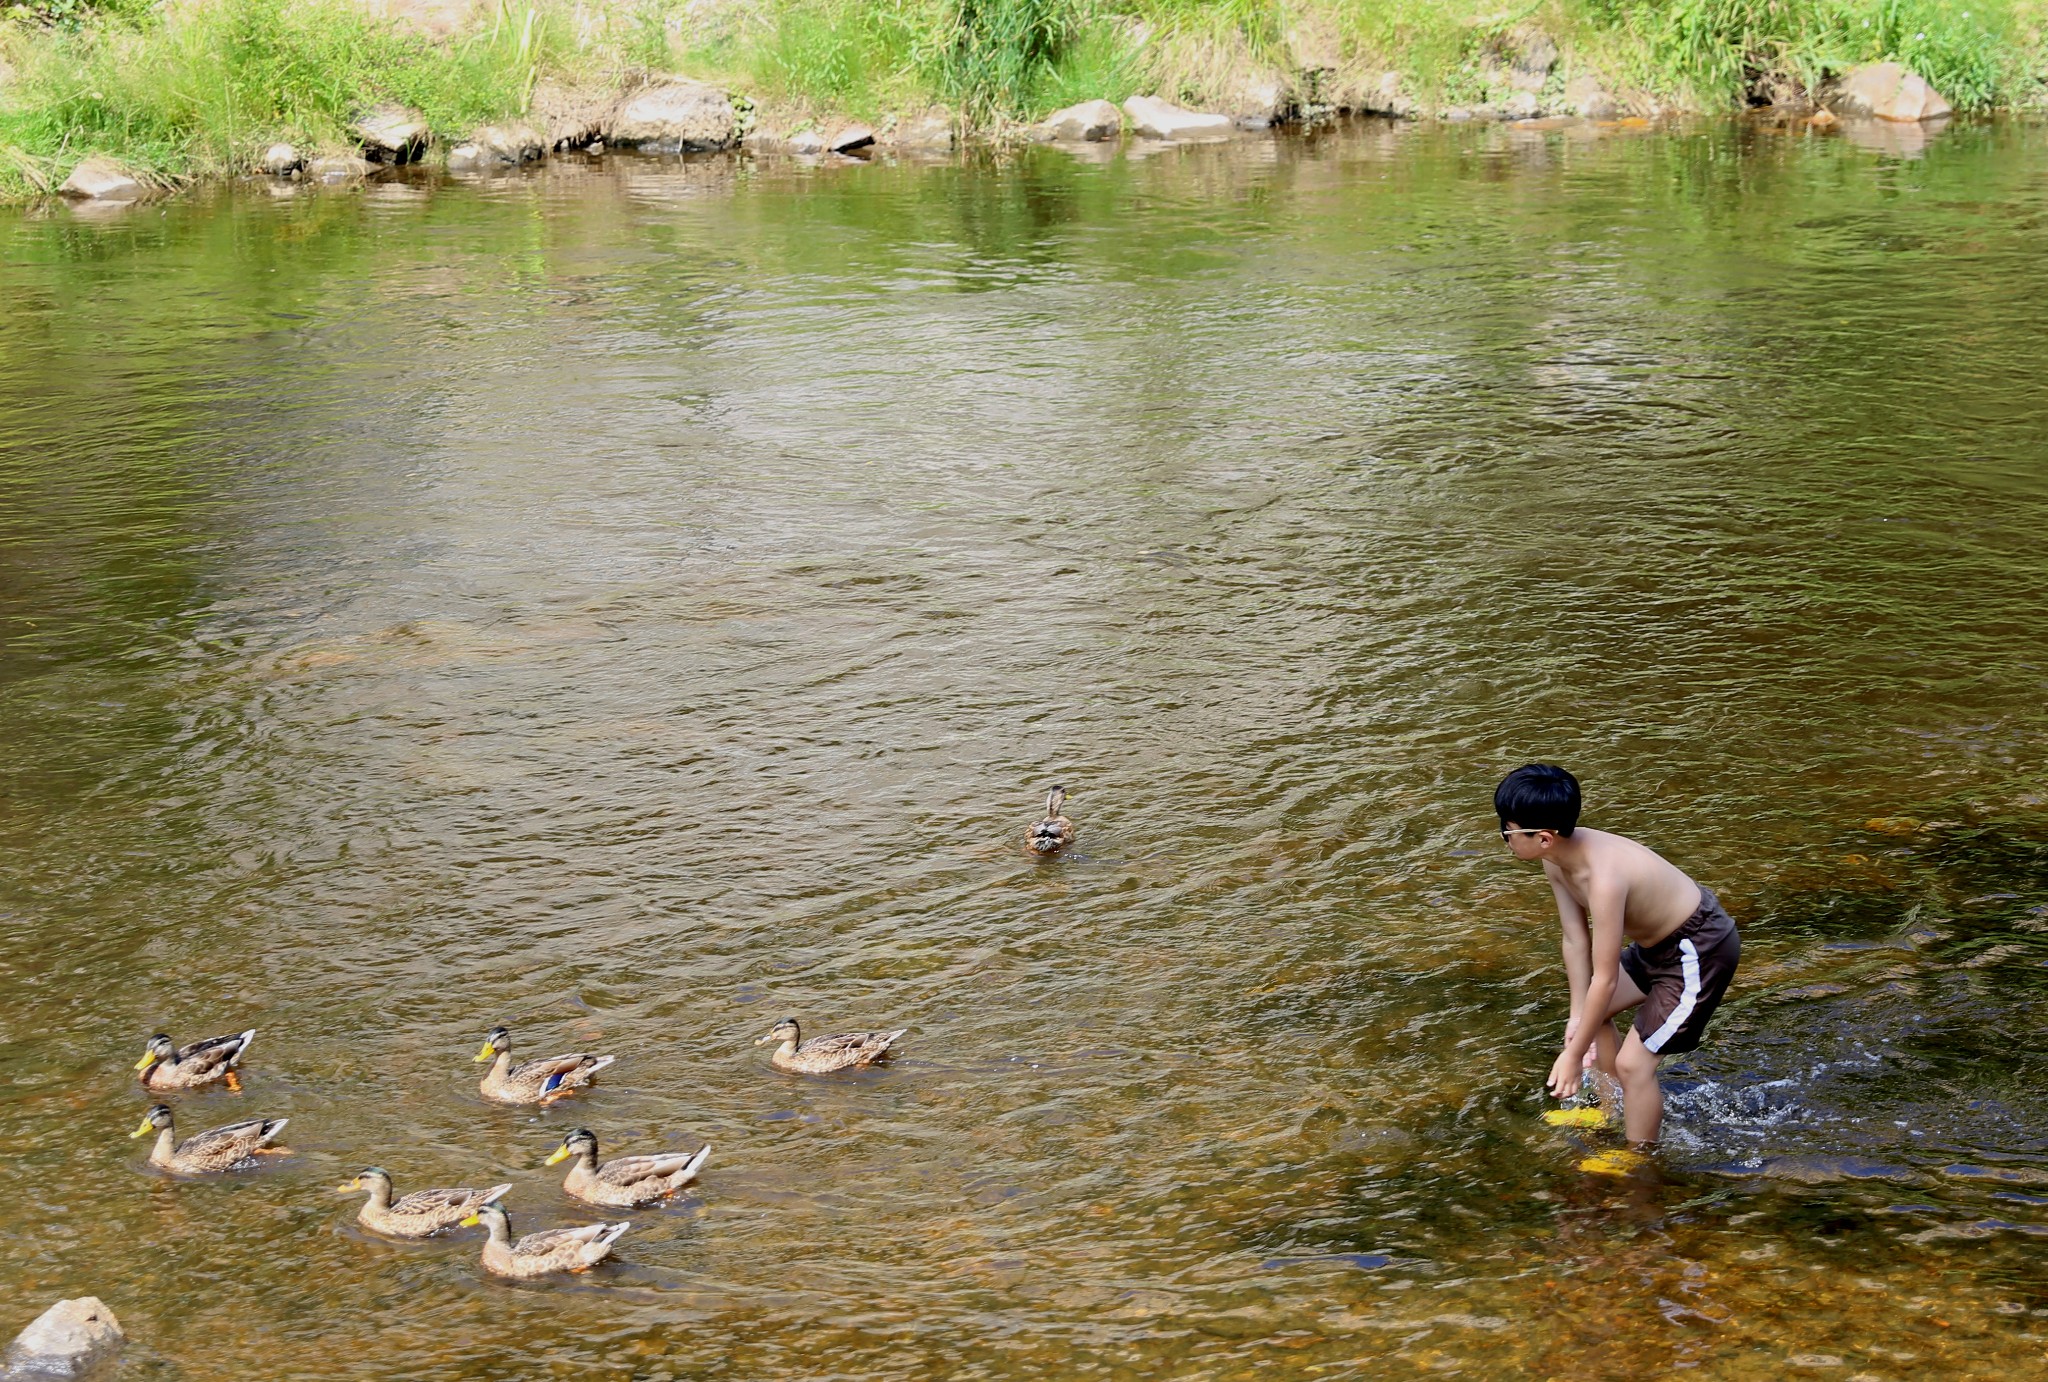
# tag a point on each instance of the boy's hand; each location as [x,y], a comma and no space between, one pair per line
[1564,1075]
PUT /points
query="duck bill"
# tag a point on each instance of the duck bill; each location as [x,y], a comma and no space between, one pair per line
[148,1059]
[471,1222]
[763,1041]
[488,1051]
[559,1154]
[348,1189]
[145,1130]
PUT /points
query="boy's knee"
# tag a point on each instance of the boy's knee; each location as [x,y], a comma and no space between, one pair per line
[1636,1062]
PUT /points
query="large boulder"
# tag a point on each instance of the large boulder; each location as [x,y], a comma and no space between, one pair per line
[1585,95]
[932,133]
[1152,118]
[570,117]
[103,180]
[67,1340]
[390,133]
[674,115]
[339,168]
[848,139]
[1890,91]
[1089,122]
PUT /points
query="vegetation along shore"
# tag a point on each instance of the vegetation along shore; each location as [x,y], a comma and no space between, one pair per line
[158,93]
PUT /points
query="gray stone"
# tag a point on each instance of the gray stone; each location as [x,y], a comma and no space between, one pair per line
[807,142]
[674,116]
[280,161]
[569,117]
[1152,118]
[67,1340]
[340,168]
[1455,114]
[1087,123]
[102,179]
[1585,95]
[1260,104]
[1523,105]
[933,133]
[467,158]
[1535,55]
[1889,91]
[519,143]
[848,138]
[390,133]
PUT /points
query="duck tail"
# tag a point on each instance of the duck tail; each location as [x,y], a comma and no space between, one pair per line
[241,1047]
[1055,802]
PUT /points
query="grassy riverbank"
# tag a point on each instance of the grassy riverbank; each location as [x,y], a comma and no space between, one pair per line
[197,86]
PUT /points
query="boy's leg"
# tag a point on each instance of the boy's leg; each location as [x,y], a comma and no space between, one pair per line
[1606,1047]
[1642,1097]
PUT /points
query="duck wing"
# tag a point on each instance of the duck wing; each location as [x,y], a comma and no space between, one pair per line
[636,1172]
[230,1142]
[849,1048]
[213,1054]
[454,1201]
[572,1247]
[550,1073]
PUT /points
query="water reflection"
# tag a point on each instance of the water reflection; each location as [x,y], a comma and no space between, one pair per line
[631,601]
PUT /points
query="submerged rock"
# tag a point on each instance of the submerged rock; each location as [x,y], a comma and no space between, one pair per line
[102,179]
[674,116]
[340,168]
[1152,118]
[280,161]
[1889,91]
[1588,98]
[848,138]
[1090,122]
[390,133]
[519,143]
[67,1340]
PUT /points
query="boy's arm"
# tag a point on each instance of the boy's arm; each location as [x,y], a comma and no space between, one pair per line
[1603,974]
[1577,945]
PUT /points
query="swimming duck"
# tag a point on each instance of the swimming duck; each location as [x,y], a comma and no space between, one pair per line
[421,1214]
[167,1066]
[225,1148]
[533,1081]
[625,1181]
[822,1055]
[1055,832]
[537,1254]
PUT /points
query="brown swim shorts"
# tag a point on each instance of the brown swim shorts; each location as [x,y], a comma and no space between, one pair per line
[1684,975]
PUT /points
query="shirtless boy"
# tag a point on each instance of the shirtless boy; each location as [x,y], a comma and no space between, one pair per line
[1681,954]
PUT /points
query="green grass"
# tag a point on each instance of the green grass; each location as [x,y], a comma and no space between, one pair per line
[204,93]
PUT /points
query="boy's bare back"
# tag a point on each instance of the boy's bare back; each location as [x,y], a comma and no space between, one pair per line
[1657,896]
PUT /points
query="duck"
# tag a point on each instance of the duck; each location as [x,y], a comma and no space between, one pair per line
[533,1081]
[625,1181]
[165,1065]
[539,1254]
[226,1148]
[822,1055]
[1055,832]
[423,1213]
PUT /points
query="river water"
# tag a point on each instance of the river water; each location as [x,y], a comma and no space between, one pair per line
[634,601]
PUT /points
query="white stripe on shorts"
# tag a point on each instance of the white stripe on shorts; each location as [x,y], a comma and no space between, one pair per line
[1689,964]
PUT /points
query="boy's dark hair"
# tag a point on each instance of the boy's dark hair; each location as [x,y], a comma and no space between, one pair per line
[1538,796]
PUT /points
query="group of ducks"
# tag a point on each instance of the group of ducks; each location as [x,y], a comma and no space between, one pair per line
[627,1182]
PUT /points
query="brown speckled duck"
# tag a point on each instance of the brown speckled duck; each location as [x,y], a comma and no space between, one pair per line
[1055,832]
[421,1214]
[540,1254]
[165,1065]
[823,1055]
[534,1081]
[226,1148]
[625,1181]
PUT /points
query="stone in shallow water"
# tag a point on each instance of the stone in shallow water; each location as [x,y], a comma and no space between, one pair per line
[390,133]
[848,138]
[341,168]
[674,116]
[1890,91]
[1088,122]
[280,161]
[102,179]
[1152,118]
[66,1340]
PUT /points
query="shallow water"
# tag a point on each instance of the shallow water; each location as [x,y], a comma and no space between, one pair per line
[634,600]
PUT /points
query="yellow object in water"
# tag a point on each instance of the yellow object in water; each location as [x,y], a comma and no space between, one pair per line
[1576,1118]
[1619,1162]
